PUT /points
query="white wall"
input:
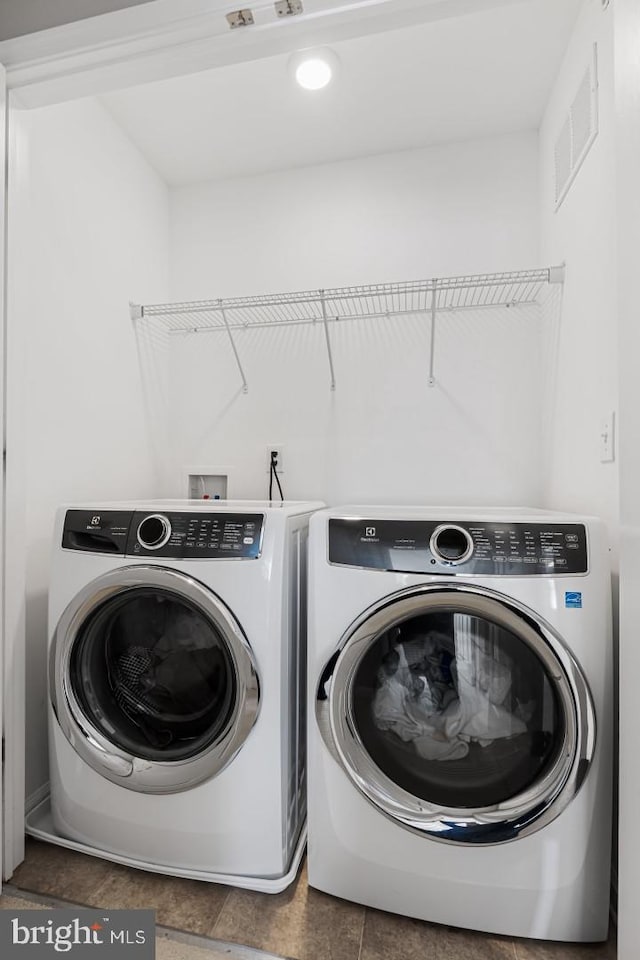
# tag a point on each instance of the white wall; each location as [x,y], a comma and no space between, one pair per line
[584,350]
[582,234]
[442,210]
[627,61]
[384,434]
[91,233]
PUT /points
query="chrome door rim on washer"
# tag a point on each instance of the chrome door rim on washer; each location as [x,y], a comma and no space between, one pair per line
[113,762]
[524,813]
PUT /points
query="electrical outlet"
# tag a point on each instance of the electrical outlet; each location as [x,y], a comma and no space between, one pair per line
[607,437]
[277,448]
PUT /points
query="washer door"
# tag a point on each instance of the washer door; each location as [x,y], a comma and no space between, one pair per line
[458,713]
[152,679]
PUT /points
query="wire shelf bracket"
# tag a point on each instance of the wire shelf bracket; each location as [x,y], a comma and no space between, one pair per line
[223,314]
[323,303]
[432,350]
[366,302]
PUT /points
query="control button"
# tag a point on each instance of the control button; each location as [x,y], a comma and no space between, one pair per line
[451,544]
[154,531]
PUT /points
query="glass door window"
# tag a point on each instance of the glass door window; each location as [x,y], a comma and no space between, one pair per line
[457,713]
[152,679]
[456,710]
[153,674]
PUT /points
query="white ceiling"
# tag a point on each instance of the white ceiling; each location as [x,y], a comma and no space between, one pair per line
[470,76]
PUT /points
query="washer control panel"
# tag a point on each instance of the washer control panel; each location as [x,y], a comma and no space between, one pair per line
[483,548]
[192,535]
[196,535]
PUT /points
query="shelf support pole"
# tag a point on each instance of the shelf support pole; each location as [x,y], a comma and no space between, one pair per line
[245,388]
[326,335]
[434,300]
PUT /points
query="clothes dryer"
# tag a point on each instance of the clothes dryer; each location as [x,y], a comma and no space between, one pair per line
[177,657]
[460,727]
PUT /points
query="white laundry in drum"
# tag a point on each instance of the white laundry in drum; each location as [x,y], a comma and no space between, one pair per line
[441,699]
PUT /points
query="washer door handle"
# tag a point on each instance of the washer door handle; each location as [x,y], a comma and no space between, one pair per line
[118,765]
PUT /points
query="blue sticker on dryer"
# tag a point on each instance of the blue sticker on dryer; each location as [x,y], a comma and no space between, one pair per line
[572,599]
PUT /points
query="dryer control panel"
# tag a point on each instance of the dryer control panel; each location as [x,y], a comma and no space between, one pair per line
[481,547]
[201,535]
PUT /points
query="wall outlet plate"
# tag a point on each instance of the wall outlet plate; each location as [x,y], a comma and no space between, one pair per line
[279,449]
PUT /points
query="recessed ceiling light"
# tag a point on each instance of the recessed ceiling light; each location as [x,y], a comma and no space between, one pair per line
[314,69]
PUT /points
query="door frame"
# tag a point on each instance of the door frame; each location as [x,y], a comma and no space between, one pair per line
[8,832]
[12,621]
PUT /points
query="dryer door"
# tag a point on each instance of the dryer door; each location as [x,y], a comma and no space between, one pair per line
[458,713]
[152,679]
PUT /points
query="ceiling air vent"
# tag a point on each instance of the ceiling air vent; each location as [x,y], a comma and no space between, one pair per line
[578,131]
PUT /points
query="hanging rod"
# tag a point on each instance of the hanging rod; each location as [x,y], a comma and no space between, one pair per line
[471,292]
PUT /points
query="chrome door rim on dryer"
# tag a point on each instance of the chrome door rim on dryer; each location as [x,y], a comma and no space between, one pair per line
[522,814]
[124,768]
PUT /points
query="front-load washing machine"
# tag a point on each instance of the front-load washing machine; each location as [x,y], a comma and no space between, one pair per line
[177,657]
[460,728]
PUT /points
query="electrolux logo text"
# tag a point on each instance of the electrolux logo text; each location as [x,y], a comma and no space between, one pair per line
[29,934]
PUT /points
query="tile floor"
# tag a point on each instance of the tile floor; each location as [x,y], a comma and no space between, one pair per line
[300,923]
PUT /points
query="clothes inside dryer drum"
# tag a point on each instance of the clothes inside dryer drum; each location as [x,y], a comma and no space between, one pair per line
[456,710]
[154,674]
[443,692]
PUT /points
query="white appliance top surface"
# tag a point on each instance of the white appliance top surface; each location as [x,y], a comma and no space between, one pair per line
[451,513]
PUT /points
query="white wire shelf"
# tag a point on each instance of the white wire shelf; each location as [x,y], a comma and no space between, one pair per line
[328,306]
